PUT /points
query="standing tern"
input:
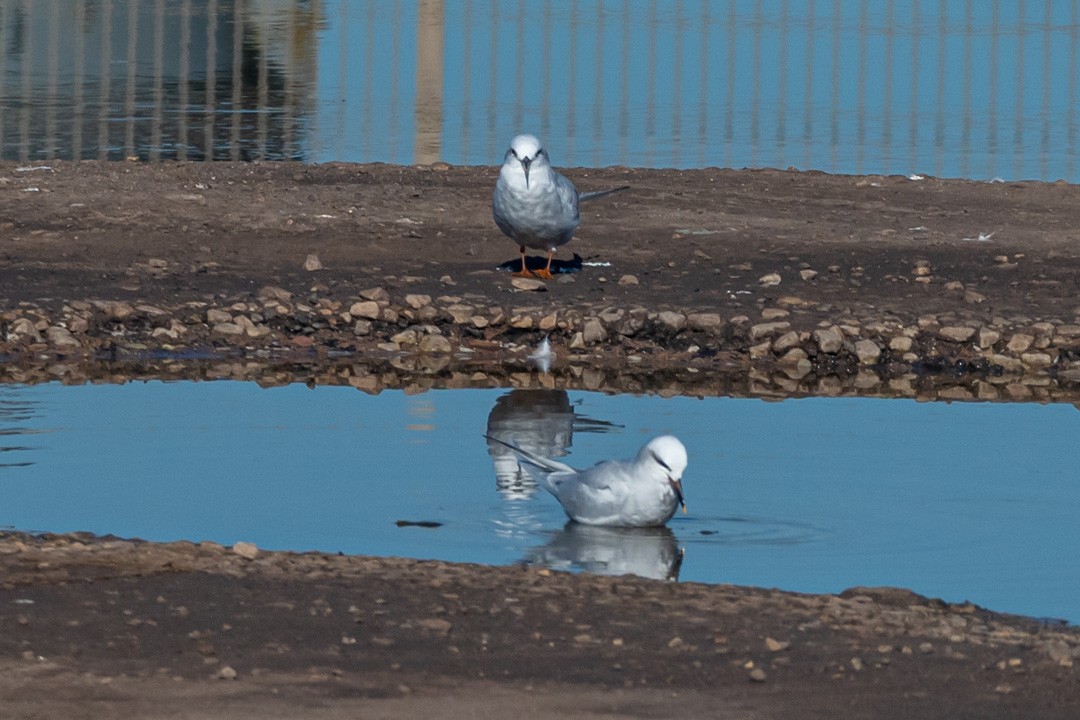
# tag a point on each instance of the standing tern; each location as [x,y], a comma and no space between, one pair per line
[535,206]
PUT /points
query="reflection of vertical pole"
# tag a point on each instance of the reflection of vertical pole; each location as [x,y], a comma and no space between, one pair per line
[236,104]
[395,80]
[262,103]
[519,66]
[913,103]
[54,69]
[782,87]
[676,92]
[129,94]
[808,85]
[624,84]
[860,88]
[1018,128]
[185,63]
[80,59]
[429,81]
[1044,150]
[729,100]
[652,29]
[886,113]
[343,73]
[834,92]
[369,81]
[289,72]
[493,79]
[598,87]
[466,83]
[210,109]
[755,85]
[106,72]
[545,77]
[939,99]
[571,90]
[1070,124]
[159,72]
[24,116]
[965,122]
[992,97]
[703,86]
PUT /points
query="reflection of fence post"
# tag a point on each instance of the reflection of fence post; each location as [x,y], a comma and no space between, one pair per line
[429,81]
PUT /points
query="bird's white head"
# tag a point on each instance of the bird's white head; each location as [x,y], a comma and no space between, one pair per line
[525,155]
[669,456]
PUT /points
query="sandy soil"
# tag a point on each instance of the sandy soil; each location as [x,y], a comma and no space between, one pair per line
[117,270]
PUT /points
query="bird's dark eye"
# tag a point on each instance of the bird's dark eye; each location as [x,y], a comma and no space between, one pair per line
[513,152]
[539,152]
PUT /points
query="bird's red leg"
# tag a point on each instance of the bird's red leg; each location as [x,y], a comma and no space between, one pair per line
[546,272]
[524,272]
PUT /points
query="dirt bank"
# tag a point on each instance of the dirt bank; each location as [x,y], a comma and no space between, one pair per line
[702,282]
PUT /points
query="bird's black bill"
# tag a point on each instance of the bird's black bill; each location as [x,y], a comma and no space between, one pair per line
[525,163]
[676,485]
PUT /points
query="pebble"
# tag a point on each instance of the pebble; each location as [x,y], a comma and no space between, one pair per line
[829,340]
[529,284]
[226,673]
[246,550]
[312,263]
[774,645]
[593,331]
[628,280]
[956,333]
[757,675]
[704,322]
[368,310]
[767,329]
[61,337]
[435,344]
[808,275]
[867,351]
[671,320]
[416,301]
[1019,343]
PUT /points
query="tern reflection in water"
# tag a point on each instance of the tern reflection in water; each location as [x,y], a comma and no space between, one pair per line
[540,421]
[647,552]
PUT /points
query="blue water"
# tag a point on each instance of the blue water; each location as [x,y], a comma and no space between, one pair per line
[982,89]
[960,501]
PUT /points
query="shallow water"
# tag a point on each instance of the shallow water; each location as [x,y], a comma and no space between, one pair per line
[963,501]
[974,89]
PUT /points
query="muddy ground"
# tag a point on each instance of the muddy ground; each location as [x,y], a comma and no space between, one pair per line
[767,282]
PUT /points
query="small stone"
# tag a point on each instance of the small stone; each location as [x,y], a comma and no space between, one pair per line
[593,331]
[856,664]
[671,320]
[901,344]
[246,550]
[761,351]
[417,301]
[628,280]
[312,263]
[368,310]
[771,314]
[548,322]
[675,642]
[987,338]
[704,322]
[774,645]
[376,294]
[228,328]
[528,284]
[867,351]
[435,625]
[361,328]
[1019,343]
[956,333]
[786,341]
[954,285]
[769,280]
[226,673]
[973,298]
[767,329]
[215,316]
[757,675]
[272,292]
[829,340]
[1036,361]
[808,275]
[435,344]
[61,337]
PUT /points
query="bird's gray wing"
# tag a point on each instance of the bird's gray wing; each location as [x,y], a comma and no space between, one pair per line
[568,199]
[538,461]
[582,197]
